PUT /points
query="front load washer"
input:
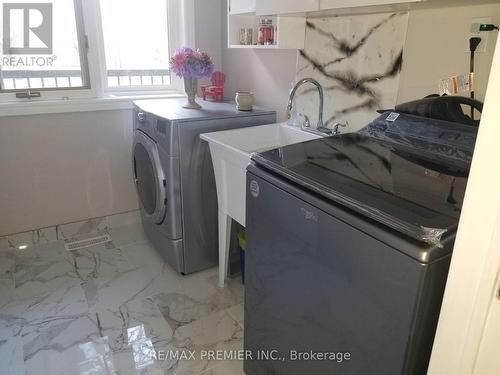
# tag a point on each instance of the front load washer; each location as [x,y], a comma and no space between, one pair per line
[174,176]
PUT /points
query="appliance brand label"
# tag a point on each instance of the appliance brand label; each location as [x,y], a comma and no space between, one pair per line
[309,215]
[254,188]
[392,117]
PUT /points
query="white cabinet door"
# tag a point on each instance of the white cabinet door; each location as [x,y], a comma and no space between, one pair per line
[270,7]
[334,4]
[241,6]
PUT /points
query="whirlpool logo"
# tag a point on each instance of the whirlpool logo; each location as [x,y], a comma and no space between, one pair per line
[27,29]
[309,215]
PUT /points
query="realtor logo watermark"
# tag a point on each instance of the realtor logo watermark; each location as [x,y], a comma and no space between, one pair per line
[27,29]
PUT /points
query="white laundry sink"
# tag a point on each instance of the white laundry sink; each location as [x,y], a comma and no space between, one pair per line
[231,152]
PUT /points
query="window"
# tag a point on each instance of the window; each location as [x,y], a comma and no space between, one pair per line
[65,49]
[43,49]
[136,57]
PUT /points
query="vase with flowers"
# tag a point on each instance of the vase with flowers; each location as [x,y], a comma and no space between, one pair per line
[191,65]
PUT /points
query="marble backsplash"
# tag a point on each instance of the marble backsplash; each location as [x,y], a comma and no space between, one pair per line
[358,60]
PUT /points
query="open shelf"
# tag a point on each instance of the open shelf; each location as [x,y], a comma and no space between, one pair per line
[290,32]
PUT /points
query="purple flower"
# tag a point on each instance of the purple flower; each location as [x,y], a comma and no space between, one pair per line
[187,62]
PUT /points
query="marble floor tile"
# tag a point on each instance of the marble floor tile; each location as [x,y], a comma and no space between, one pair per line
[216,332]
[112,309]
[233,292]
[238,313]
[126,227]
[64,300]
[123,236]
[91,357]
[98,266]
[97,225]
[6,293]
[29,239]
[43,284]
[228,368]
[142,255]
[11,353]
[182,307]
[126,219]
[131,323]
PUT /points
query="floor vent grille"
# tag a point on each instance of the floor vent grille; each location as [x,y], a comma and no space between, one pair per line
[77,244]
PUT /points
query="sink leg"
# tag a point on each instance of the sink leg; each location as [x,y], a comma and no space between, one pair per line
[224,242]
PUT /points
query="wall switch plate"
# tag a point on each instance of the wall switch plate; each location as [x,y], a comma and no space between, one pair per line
[483,46]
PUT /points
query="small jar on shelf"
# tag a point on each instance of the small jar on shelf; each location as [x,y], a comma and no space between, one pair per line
[266,32]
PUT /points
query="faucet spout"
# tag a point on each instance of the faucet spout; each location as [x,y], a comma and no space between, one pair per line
[320,126]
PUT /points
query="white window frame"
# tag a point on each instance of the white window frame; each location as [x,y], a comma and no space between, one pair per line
[181,33]
[175,12]
[63,93]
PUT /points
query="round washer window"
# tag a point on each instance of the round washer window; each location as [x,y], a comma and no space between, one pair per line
[146,180]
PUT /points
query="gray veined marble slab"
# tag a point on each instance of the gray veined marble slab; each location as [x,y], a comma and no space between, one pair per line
[129,220]
[97,266]
[135,333]
[110,309]
[216,332]
[238,313]
[180,309]
[358,60]
[97,226]
[6,292]
[11,353]
[126,227]
[126,219]
[43,284]
[226,368]
[30,239]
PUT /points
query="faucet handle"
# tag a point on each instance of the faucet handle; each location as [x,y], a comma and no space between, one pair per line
[307,122]
[337,126]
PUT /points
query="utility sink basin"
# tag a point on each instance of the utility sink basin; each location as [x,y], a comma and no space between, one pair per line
[231,151]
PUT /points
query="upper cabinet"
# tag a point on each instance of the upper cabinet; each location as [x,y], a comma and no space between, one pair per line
[337,4]
[241,6]
[286,19]
[266,7]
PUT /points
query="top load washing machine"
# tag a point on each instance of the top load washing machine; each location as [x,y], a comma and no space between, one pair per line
[349,241]
[174,176]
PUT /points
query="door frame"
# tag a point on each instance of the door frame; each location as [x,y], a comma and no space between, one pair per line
[473,279]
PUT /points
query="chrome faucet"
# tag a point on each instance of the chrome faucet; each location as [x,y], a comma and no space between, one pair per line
[320,127]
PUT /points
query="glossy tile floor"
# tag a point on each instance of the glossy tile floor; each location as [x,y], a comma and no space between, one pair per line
[112,309]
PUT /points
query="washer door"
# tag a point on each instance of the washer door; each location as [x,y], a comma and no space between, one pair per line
[149,177]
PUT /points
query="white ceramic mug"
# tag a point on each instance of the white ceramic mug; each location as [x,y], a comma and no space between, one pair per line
[244,101]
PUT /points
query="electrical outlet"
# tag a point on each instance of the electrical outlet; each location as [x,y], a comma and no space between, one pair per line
[460,84]
[474,32]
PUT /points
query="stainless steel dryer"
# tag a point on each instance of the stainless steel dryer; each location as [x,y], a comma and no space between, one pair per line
[174,176]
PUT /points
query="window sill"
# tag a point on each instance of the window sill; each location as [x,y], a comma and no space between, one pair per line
[108,103]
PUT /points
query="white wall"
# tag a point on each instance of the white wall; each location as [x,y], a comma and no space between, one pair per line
[436,47]
[60,168]
[208,28]
[68,167]
[268,74]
